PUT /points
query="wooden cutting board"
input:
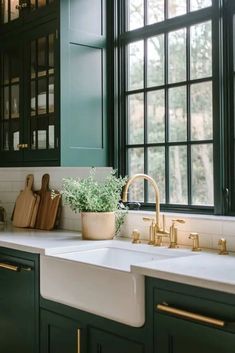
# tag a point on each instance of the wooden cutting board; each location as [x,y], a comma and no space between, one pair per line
[48,207]
[26,205]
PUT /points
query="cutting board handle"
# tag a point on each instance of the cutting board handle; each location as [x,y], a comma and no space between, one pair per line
[29,182]
[45,182]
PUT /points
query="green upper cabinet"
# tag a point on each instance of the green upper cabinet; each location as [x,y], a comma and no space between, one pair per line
[29,132]
[53,83]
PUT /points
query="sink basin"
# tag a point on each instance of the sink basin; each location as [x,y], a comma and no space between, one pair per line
[114,258]
[99,280]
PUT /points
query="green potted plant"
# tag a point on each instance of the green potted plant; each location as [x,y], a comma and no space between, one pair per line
[98,203]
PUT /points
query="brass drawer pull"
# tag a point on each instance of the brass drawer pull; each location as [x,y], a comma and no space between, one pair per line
[9,267]
[78,341]
[189,315]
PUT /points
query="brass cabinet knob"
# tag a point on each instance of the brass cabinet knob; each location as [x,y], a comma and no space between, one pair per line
[136,237]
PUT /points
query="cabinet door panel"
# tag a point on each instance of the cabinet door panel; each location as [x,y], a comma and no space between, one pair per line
[103,342]
[173,335]
[60,334]
[17,309]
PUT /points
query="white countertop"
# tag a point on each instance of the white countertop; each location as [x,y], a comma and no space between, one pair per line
[39,241]
[206,269]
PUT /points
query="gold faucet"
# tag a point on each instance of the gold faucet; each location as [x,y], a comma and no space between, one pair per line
[195,239]
[157,197]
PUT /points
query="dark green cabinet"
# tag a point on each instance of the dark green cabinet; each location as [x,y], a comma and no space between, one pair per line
[53,83]
[19,302]
[100,341]
[60,334]
[179,320]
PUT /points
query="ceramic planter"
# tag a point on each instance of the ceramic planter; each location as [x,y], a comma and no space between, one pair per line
[98,225]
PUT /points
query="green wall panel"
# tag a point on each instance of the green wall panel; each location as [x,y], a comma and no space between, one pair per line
[91,19]
[86,97]
[83,84]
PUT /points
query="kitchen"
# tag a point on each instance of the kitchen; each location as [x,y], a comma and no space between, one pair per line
[55,81]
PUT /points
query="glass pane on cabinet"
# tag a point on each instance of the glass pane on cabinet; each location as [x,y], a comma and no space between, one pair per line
[201,50]
[42,56]
[5,11]
[176,8]
[202,175]
[135,12]
[5,69]
[155,11]
[201,111]
[156,169]
[177,56]
[33,59]
[33,98]
[15,101]
[6,136]
[32,4]
[199,4]
[178,175]
[51,136]
[177,114]
[136,65]
[42,3]
[51,50]
[15,68]
[136,118]
[135,166]
[6,102]
[51,95]
[156,116]
[42,139]
[14,9]
[16,140]
[155,61]
[42,96]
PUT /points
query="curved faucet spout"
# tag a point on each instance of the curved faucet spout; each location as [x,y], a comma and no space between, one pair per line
[157,196]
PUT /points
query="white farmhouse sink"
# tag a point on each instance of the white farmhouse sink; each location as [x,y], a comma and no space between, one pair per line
[100,281]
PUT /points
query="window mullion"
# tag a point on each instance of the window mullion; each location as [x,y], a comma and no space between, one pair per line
[189,180]
[167,184]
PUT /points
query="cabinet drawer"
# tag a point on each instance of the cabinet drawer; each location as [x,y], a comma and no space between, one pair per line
[195,308]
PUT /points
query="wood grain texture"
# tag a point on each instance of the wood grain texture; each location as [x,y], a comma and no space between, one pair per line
[25,205]
[48,206]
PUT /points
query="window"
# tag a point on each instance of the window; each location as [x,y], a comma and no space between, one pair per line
[170,61]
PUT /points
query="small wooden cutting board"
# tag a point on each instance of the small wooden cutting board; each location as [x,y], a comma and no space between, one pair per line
[48,206]
[26,205]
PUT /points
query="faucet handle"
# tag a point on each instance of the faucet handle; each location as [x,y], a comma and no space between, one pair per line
[222,246]
[195,239]
[178,220]
[148,219]
[151,229]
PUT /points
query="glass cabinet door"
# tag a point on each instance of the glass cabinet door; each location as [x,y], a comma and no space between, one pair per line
[11,10]
[10,84]
[42,93]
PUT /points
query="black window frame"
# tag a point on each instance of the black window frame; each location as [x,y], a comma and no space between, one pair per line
[222,177]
